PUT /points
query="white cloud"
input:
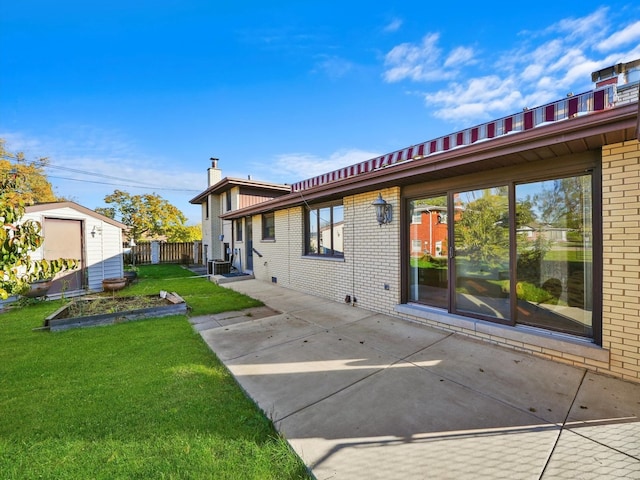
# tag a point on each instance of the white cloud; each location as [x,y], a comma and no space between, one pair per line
[543,66]
[292,167]
[623,37]
[532,72]
[415,62]
[333,67]
[393,26]
[592,26]
[459,56]
[476,99]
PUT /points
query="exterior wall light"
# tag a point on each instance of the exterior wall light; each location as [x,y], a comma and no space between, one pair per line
[383,210]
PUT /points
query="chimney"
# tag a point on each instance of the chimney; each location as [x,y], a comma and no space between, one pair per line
[214,173]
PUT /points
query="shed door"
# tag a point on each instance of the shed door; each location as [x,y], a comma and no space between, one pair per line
[63,239]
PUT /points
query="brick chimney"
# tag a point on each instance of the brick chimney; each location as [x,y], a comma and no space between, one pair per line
[214,173]
[623,73]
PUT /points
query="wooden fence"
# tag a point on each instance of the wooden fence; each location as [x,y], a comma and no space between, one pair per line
[181,252]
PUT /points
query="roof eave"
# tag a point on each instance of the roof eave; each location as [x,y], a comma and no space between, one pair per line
[43,207]
[230,182]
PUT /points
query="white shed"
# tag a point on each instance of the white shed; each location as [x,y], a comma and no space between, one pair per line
[73,231]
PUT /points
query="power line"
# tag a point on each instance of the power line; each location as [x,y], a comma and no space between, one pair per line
[94,174]
[102,175]
[125,185]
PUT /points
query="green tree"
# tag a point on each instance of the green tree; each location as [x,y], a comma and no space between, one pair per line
[482,232]
[186,233]
[562,205]
[147,216]
[18,239]
[34,185]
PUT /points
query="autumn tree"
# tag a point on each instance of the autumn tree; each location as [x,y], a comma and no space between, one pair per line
[147,216]
[34,185]
[184,233]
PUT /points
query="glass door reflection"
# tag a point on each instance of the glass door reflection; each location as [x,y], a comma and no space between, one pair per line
[428,250]
[481,239]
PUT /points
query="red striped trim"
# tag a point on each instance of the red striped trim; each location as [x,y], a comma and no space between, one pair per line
[528,119]
[598,100]
[565,108]
[508,124]
[550,113]
[573,106]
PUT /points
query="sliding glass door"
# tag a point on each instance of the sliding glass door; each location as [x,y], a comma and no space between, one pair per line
[428,250]
[515,253]
[481,255]
[554,237]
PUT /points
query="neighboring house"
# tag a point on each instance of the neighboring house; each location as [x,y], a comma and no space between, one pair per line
[429,231]
[572,165]
[73,231]
[222,239]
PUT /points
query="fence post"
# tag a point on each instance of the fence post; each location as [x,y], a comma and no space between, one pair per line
[196,252]
[155,252]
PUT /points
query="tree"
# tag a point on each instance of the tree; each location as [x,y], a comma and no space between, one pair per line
[34,185]
[18,239]
[482,232]
[562,205]
[147,216]
[186,233]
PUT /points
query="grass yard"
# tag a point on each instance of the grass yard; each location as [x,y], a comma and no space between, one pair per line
[200,294]
[138,400]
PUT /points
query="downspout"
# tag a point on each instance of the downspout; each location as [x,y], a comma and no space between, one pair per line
[353,247]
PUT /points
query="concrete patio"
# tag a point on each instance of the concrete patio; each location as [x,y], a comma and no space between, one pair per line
[360,395]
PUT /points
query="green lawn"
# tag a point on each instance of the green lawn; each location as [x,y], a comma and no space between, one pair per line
[138,400]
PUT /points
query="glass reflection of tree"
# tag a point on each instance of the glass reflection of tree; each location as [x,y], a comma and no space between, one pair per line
[482,231]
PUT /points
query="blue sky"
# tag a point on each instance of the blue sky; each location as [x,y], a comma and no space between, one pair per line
[142,94]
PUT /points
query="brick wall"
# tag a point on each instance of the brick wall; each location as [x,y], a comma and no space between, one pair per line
[371,255]
[621,257]
[627,93]
[373,251]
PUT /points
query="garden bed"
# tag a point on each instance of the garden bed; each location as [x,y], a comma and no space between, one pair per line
[90,312]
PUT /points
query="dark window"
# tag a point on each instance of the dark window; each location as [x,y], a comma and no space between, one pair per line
[324,230]
[206,208]
[268,226]
[239,230]
[228,199]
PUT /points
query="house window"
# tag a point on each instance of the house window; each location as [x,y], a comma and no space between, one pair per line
[206,208]
[517,252]
[239,230]
[268,226]
[228,200]
[324,230]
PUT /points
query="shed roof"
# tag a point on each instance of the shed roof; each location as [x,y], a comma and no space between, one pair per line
[43,207]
